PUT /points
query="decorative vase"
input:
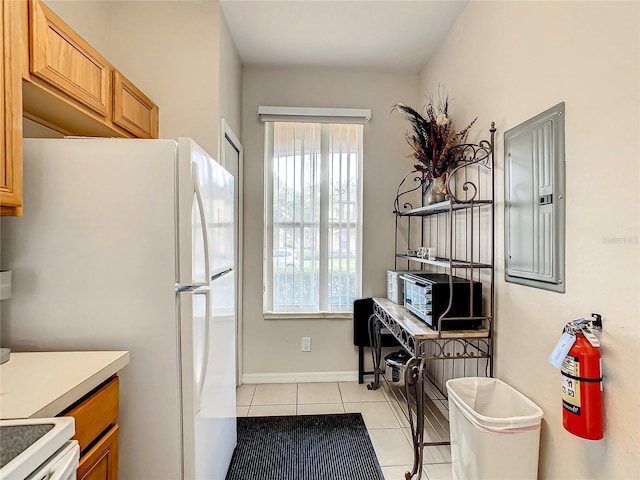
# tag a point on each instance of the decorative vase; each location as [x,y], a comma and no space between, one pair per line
[437,190]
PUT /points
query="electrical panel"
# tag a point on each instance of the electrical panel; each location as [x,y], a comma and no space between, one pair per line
[535,201]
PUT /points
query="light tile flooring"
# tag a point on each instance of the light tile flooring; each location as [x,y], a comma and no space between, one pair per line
[388,428]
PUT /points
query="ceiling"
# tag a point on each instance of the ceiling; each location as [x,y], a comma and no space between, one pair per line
[369,35]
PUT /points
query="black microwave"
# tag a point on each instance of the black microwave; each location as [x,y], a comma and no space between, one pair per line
[426,295]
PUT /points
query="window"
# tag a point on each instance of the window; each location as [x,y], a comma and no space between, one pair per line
[313,212]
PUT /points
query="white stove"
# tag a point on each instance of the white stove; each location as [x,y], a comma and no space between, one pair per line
[38,449]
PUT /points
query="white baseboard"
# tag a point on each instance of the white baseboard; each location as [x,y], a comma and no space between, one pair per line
[299,377]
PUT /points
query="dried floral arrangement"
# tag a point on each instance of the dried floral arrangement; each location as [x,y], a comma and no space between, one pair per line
[433,138]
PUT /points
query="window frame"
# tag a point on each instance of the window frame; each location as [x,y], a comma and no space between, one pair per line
[268,312]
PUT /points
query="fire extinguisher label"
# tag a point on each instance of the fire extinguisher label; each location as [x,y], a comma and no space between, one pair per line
[571,386]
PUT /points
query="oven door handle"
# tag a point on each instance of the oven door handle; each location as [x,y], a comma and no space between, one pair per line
[67,464]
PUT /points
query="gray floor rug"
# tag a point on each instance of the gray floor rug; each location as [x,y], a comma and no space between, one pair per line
[305,447]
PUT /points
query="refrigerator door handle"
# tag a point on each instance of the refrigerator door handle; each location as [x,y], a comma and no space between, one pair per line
[221,274]
[203,220]
[204,361]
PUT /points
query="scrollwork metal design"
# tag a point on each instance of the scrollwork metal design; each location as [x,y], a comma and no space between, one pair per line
[405,339]
[466,154]
[444,348]
[455,348]
[411,372]
[420,180]
[470,154]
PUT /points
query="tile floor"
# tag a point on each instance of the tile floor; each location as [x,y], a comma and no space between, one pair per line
[385,421]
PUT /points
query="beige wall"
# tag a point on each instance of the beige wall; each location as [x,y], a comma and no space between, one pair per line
[273,346]
[171,50]
[230,95]
[91,19]
[31,129]
[508,61]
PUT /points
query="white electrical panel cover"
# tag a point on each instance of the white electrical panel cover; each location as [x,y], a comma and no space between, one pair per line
[535,201]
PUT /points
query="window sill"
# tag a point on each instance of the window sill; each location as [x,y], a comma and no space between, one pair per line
[308,315]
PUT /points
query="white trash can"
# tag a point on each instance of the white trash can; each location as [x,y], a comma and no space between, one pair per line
[495,430]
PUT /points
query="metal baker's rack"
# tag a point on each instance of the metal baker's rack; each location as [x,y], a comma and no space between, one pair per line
[462,228]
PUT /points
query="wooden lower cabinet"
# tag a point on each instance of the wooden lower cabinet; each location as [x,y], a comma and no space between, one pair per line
[101,461]
[96,417]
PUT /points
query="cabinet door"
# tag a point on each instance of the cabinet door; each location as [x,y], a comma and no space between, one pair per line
[60,57]
[101,462]
[95,413]
[132,109]
[10,113]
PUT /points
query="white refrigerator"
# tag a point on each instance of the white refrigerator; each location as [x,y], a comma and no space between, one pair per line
[129,245]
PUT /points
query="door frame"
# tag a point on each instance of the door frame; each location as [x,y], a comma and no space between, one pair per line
[227,135]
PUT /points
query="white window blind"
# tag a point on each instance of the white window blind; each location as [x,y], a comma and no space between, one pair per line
[312,217]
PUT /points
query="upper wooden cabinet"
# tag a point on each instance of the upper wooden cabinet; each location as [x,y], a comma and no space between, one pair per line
[10,113]
[73,88]
[53,76]
[65,60]
[132,109]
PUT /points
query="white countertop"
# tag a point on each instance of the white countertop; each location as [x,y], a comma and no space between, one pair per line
[42,384]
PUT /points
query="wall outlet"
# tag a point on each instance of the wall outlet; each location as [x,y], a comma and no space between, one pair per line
[306,344]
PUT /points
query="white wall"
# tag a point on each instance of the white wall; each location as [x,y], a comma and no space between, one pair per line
[508,61]
[273,346]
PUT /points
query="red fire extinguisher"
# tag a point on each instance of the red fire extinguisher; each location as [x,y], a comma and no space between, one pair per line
[581,369]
